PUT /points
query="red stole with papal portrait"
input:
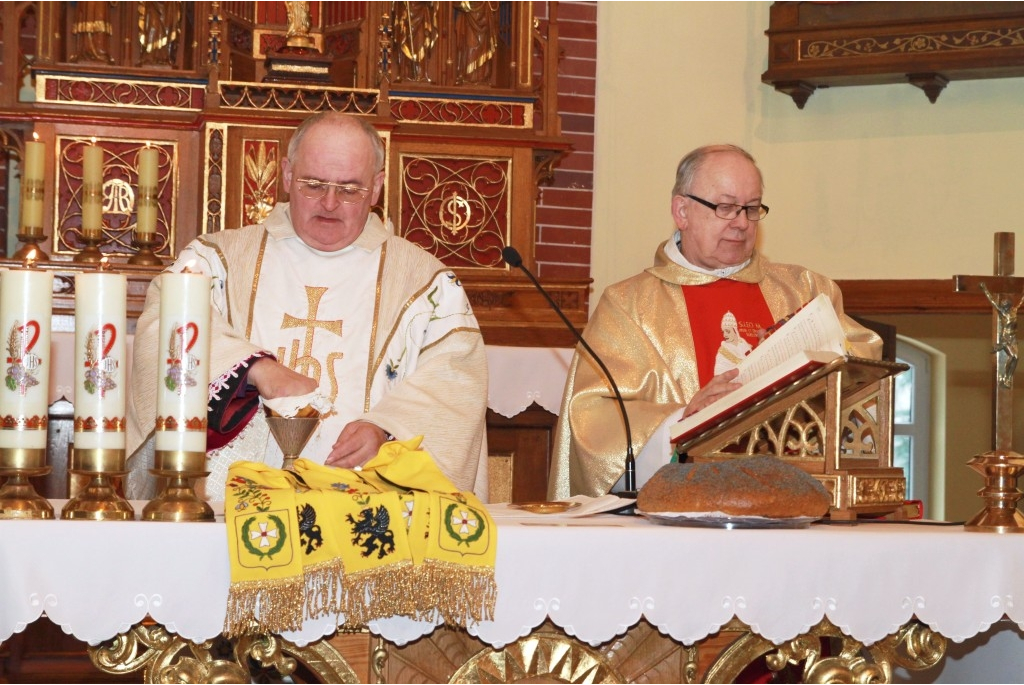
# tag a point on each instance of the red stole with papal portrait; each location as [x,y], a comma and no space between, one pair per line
[707,305]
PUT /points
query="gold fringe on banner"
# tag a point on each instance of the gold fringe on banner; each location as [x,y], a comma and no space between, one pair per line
[279,604]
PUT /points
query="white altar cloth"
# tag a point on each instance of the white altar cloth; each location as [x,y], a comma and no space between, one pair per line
[594,577]
[520,376]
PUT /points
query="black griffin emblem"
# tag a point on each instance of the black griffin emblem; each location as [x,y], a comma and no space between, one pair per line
[309,532]
[372,531]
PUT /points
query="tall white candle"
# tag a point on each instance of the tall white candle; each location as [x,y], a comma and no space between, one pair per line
[32,188]
[26,305]
[92,191]
[100,335]
[146,202]
[184,368]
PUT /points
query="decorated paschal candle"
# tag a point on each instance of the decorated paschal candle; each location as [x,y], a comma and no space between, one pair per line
[184,363]
[26,305]
[100,336]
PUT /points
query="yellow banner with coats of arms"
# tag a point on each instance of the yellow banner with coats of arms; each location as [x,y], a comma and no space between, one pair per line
[395,538]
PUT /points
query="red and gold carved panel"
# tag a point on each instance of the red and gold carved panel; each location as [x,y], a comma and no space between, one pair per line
[457,208]
[464,112]
[120,188]
[259,178]
[116,92]
[213,193]
[299,99]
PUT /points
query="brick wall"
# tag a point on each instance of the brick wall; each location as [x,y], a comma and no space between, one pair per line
[565,207]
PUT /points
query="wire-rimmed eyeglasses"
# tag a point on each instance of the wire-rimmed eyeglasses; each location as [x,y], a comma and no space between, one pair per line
[731,211]
[349,193]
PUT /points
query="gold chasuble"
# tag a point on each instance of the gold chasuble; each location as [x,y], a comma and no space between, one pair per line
[395,538]
[383,326]
[641,328]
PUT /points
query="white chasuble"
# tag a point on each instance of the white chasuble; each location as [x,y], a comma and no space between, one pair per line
[314,312]
[384,327]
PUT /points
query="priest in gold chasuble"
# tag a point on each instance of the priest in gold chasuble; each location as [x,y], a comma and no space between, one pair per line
[322,298]
[661,332]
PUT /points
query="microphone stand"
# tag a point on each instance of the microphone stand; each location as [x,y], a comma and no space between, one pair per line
[512,258]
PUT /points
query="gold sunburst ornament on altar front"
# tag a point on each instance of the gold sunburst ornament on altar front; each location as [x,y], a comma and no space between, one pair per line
[541,658]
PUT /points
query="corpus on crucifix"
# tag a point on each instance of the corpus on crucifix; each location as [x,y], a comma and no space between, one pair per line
[1001,466]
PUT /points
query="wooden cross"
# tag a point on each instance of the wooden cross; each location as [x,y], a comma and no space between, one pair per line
[1006,294]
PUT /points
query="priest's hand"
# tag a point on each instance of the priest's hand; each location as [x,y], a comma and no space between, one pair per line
[358,443]
[273,379]
[721,384]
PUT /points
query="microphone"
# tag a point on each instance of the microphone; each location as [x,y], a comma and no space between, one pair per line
[512,258]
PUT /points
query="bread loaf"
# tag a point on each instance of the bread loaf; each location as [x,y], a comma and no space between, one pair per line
[746,486]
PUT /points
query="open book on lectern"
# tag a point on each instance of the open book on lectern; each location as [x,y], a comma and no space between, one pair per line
[810,339]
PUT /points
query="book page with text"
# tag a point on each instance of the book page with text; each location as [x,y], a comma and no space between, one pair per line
[815,327]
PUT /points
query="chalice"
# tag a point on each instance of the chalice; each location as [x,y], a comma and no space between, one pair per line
[292,432]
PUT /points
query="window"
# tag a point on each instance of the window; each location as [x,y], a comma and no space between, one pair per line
[915,416]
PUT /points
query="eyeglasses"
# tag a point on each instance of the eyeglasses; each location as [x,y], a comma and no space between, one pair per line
[349,193]
[731,211]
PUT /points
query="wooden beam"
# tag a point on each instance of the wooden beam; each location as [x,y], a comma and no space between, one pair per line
[909,296]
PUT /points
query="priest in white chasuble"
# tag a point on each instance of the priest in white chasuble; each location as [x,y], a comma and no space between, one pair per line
[321,298]
[660,332]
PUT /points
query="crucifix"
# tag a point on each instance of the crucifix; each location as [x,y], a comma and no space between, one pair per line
[1001,466]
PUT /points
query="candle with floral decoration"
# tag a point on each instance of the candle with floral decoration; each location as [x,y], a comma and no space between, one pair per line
[32,187]
[184,362]
[26,305]
[100,335]
[146,202]
[92,190]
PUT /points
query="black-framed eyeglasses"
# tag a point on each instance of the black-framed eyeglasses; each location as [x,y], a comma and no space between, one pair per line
[731,211]
[349,193]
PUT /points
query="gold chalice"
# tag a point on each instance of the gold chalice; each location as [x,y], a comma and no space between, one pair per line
[292,432]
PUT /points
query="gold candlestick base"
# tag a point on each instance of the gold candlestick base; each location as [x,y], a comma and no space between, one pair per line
[18,497]
[292,434]
[90,254]
[30,245]
[99,501]
[144,255]
[1000,469]
[178,501]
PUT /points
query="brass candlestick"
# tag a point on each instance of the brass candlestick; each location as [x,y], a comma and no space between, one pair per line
[90,254]
[144,255]
[178,501]
[99,501]
[1000,469]
[292,434]
[18,497]
[30,248]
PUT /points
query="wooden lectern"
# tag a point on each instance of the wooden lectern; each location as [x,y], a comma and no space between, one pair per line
[835,423]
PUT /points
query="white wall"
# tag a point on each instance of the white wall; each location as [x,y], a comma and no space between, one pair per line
[864,182]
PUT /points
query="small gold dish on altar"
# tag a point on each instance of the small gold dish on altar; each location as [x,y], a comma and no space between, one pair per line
[545,507]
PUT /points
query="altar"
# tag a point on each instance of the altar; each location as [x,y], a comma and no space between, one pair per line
[892,593]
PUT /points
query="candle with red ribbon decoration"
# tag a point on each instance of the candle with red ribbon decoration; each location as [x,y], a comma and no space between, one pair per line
[26,305]
[100,334]
[184,363]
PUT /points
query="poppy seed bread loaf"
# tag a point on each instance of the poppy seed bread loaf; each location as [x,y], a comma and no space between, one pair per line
[746,486]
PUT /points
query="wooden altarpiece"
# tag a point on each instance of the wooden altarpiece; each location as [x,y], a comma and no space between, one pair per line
[465,98]
[834,423]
